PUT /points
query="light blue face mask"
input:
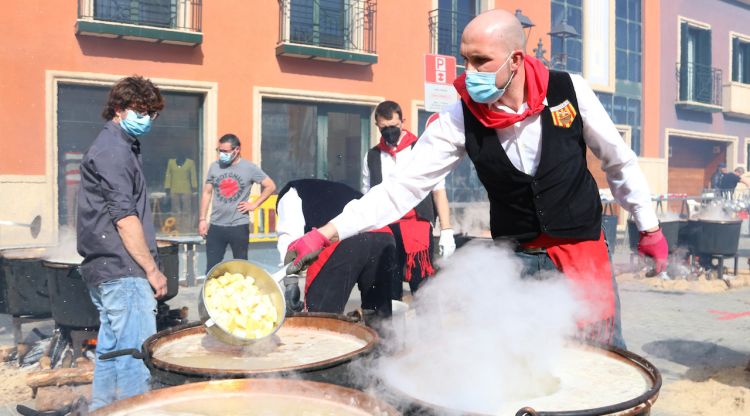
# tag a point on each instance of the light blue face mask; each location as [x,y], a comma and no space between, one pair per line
[481,85]
[226,158]
[136,125]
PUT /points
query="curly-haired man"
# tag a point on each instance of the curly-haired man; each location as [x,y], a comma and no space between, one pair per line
[116,238]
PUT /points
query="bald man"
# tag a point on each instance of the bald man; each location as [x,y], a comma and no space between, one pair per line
[526,129]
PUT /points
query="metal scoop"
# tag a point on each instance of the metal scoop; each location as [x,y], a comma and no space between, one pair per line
[266,283]
[35,226]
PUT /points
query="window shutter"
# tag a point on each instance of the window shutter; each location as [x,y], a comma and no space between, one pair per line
[704,79]
[736,52]
[684,64]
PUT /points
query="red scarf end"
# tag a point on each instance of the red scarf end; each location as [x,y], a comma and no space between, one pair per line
[425,265]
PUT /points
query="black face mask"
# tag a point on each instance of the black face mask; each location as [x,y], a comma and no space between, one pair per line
[391,134]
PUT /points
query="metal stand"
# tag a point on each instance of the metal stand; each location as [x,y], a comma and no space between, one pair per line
[20,320]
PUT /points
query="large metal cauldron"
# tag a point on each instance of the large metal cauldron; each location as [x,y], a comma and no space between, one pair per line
[203,357]
[609,223]
[70,301]
[69,296]
[592,380]
[715,237]
[23,283]
[251,397]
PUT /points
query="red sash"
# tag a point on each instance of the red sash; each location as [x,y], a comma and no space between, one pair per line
[586,264]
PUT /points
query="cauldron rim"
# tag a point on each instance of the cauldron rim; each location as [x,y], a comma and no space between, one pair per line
[647,397]
[732,221]
[343,395]
[153,342]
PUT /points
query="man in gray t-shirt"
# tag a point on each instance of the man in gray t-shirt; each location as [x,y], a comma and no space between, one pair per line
[227,189]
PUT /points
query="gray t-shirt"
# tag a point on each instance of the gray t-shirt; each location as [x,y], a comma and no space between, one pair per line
[231,186]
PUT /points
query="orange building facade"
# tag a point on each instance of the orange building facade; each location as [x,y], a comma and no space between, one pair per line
[296,88]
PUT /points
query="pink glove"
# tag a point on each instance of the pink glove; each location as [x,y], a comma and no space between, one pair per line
[654,245]
[304,250]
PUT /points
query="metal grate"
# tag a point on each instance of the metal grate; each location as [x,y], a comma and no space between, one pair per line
[698,83]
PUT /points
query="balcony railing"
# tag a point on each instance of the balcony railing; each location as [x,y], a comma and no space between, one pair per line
[184,15]
[446,28]
[347,25]
[698,85]
[167,21]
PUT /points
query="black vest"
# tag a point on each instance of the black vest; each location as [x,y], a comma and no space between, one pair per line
[425,209]
[322,200]
[561,199]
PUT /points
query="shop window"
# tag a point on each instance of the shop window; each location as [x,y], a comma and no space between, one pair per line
[171,154]
[311,140]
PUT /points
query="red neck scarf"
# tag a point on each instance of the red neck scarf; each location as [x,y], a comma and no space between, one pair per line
[537,78]
[405,142]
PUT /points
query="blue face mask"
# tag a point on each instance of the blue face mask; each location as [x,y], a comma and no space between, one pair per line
[225,158]
[136,125]
[481,85]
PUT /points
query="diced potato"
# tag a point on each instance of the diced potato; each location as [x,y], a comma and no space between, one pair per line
[238,306]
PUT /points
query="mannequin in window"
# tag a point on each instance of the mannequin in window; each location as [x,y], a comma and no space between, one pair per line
[180,182]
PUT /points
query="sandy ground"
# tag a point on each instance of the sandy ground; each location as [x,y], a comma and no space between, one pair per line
[13,388]
[725,392]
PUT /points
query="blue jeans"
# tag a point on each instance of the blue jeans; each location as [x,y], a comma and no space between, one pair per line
[127,312]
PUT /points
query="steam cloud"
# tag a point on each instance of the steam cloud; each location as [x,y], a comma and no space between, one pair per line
[481,336]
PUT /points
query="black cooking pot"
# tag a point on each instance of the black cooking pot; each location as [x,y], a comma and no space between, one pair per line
[609,223]
[23,283]
[69,296]
[716,237]
[170,266]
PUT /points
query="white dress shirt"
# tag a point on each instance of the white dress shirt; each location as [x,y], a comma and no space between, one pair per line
[388,165]
[291,221]
[441,147]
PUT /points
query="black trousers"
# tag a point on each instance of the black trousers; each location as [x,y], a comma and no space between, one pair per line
[416,271]
[366,260]
[217,239]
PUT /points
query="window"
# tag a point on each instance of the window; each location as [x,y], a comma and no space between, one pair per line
[311,140]
[571,48]
[319,22]
[740,60]
[347,25]
[159,13]
[174,139]
[462,184]
[625,110]
[170,21]
[696,76]
[447,24]
[628,40]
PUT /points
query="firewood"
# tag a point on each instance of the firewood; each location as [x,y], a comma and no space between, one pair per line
[54,398]
[83,362]
[60,376]
[45,363]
